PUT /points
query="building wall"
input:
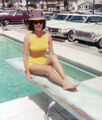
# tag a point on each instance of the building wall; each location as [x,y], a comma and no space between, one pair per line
[85,6]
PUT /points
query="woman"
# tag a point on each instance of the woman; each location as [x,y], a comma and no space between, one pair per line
[36,62]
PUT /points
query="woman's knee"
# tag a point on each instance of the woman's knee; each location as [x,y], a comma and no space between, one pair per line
[54,58]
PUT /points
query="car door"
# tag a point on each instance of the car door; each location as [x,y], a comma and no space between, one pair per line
[18,17]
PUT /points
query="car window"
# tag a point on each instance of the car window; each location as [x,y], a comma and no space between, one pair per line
[53,16]
[94,19]
[60,17]
[68,17]
[79,19]
[12,13]
[100,20]
[48,17]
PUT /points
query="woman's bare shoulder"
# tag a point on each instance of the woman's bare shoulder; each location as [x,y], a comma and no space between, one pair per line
[27,35]
[26,38]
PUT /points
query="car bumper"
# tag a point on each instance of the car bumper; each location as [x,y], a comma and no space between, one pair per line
[88,39]
[59,34]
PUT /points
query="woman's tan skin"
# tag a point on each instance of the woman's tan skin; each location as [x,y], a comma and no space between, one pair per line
[57,76]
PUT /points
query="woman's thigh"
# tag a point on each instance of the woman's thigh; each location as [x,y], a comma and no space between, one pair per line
[39,69]
[49,62]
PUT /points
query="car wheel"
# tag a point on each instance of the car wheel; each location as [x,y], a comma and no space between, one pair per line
[6,22]
[70,36]
[99,43]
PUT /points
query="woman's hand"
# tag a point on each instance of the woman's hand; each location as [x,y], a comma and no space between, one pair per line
[53,56]
[28,77]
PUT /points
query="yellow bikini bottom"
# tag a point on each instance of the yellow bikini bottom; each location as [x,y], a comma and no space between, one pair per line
[37,60]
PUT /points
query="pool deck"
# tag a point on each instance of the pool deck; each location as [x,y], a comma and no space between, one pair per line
[25,109]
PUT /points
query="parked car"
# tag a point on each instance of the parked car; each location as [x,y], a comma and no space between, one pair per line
[98,11]
[65,29]
[58,18]
[90,33]
[15,17]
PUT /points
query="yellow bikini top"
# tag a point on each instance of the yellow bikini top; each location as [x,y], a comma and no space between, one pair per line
[38,44]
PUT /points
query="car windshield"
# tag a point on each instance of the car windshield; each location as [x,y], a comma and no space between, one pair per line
[60,17]
[94,19]
[79,19]
[48,17]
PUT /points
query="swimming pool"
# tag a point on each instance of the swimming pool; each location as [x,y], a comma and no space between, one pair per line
[13,84]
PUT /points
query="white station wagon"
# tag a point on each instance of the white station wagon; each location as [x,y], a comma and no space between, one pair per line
[90,33]
[65,28]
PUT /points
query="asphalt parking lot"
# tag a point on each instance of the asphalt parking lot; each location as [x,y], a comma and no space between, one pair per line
[86,47]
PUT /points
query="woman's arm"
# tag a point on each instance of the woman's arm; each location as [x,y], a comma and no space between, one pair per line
[25,57]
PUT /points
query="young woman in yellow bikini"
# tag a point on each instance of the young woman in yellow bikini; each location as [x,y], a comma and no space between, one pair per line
[36,45]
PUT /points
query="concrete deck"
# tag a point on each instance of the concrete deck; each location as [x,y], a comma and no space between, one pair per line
[94,63]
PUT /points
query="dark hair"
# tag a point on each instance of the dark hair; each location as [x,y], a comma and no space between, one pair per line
[31,26]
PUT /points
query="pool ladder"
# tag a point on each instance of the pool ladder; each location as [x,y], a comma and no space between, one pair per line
[48,110]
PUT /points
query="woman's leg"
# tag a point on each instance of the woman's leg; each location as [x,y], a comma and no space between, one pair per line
[48,70]
[57,65]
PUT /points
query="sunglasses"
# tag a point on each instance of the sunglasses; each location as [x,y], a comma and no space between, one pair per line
[40,21]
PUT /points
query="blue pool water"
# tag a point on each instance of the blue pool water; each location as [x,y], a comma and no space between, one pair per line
[13,84]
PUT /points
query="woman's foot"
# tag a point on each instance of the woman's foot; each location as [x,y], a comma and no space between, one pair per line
[67,85]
